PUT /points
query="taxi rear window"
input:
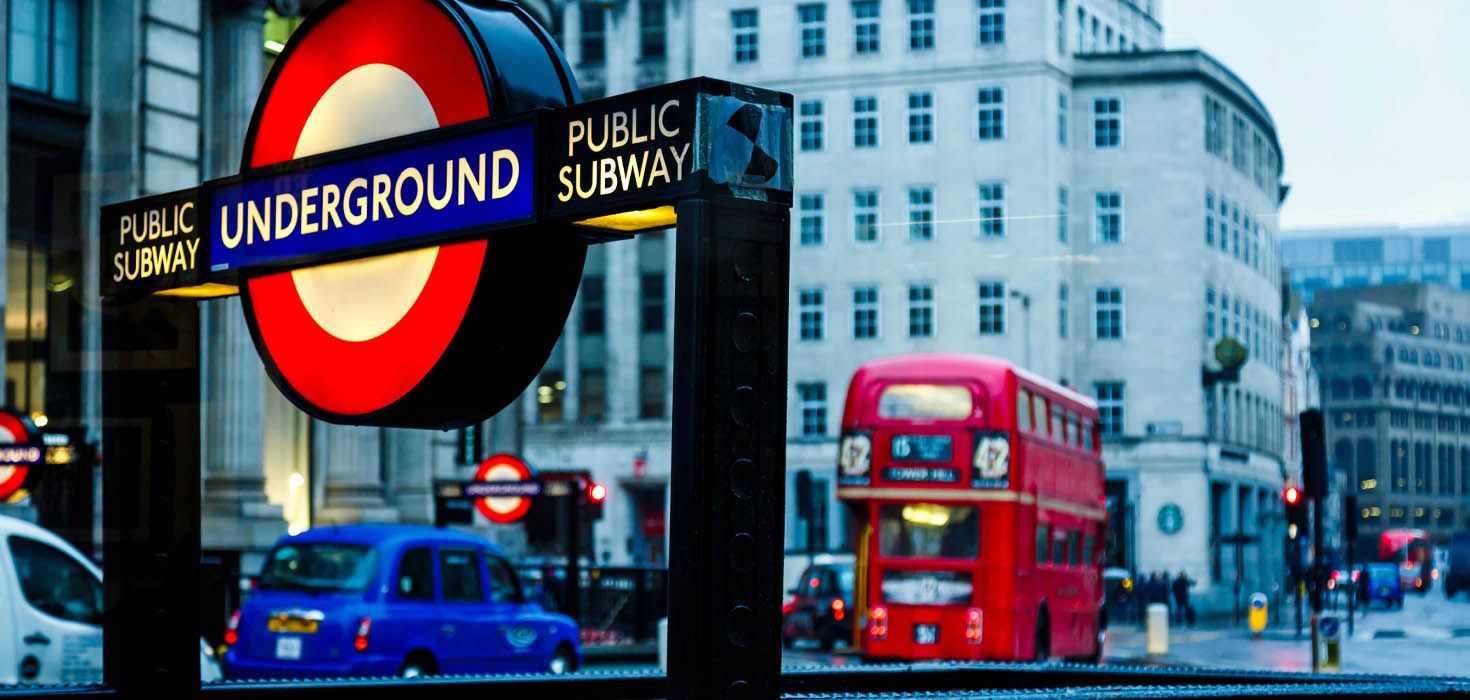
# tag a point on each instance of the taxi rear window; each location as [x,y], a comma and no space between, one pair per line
[933,401]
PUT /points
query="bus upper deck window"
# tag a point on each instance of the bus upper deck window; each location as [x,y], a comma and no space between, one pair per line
[932,401]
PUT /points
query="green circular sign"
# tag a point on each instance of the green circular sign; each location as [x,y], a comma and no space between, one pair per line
[1230,353]
[1171,518]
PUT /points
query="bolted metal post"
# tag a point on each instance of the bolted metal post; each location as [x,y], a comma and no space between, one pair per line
[729,447]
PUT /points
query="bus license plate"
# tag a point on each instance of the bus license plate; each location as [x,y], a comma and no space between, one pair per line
[926,634]
[288,648]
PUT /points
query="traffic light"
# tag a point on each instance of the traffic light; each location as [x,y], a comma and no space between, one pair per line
[1296,511]
[804,494]
[1350,517]
[593,496]
[1314,455]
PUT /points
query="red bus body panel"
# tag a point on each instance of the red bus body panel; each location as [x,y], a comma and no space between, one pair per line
[1056,483]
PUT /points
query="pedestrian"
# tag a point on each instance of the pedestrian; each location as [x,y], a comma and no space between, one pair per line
[1184,613]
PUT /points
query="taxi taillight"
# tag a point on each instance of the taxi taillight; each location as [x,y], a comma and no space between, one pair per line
[232,629]
[878,622]
[360,640]
[839,609]
[972,625]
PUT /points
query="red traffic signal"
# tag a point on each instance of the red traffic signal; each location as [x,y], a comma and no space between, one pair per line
[596,493]
[1292,496]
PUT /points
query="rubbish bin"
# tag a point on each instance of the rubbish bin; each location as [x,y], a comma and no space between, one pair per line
[1258,613]
[1156,629]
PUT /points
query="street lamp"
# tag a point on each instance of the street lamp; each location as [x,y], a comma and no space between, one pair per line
[1025,300]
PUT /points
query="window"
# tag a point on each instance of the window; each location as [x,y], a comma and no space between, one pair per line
[1043,544]
[459,576]
[651,302]
[504,586]
[592,395]
[594,34]
[1062,320]
[1023,411]
[813,124]
[811,208]
[1062,27]
[921,25]
[992,113]
[1109,407]
[1108,223]
[54,583]
[992,213]
[992,307]
[928,531]
[747,35]
[865,16]
[551,390]
[1214,127]
[1210,218]
[1074,548]
[1063,220]
[45,49]
[652,29]
[1109,308]
[813,406]
[651,390]
[1062,119]
[865,312]
[416,575]
[864,122]
[865,216]
[1238,143]
[921,310]
[1209,312]
[991,23]
[921,117]
[921,213]
[811,303]
[322,566]
[813,20]
[926,401]
[1107,122]
[594,305]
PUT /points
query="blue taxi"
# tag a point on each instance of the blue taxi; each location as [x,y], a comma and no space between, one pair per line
[381,600]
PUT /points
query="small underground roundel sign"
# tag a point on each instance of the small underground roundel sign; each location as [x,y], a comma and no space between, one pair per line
[503,509]
[17,453]
[436,336]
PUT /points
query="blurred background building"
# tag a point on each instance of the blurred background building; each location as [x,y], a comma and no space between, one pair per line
[1328,258]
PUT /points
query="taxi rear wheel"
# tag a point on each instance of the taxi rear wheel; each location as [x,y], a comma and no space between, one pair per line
[563,661]
[417,665]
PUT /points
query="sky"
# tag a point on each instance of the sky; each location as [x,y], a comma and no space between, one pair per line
[1371,100]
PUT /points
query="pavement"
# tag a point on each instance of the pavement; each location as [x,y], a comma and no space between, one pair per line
[1430,636]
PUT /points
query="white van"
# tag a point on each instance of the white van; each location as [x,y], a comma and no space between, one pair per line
[50,608]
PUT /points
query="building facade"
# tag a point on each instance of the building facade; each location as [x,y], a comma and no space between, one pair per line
[1327,258]
[1396,403]
[1035,181]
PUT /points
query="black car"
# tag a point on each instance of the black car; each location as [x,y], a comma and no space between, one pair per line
[820,607]
[1457,574]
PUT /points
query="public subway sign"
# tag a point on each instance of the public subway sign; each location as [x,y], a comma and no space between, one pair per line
[417,190]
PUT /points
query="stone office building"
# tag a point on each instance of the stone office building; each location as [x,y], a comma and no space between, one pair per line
[1035,181]
[1396,402]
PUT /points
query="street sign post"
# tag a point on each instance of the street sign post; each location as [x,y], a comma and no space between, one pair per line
[417,190]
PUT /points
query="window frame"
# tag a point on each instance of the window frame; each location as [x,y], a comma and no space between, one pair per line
[1115,116]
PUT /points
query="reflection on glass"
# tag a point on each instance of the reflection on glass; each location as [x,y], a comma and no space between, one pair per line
[934,401]
[928,530]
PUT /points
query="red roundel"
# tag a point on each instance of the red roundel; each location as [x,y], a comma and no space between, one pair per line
[503,468]
[386,339]
[12,430]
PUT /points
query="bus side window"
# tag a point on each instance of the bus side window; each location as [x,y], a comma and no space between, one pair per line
[1043,544]
[1059,547]
[1039,413]
[1056,423]
[1072,430]
[1087,550]
[1023,410]
[1087,440]
[1074,549]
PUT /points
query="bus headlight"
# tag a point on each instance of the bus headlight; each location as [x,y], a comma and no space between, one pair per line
[854,457]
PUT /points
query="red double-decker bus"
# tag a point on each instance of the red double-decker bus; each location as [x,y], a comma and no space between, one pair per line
[977,491]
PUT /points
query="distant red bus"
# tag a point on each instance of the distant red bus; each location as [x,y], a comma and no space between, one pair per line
[977,491]
[1409,549]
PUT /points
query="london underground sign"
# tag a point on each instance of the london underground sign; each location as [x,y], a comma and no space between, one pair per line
[19,452]
[416,195]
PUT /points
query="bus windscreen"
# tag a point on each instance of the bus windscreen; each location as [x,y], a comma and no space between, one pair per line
[928,531]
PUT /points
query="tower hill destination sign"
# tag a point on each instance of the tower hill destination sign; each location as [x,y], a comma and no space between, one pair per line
[397,235]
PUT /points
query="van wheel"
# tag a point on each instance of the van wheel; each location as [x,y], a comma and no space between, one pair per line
[1042,649]
[563,661]
[417,665]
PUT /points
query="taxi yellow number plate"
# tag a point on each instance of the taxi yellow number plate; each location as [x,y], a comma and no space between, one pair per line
[291,625]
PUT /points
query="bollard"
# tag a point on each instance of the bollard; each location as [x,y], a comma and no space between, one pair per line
[663,644]
[1327,636]
[1156,629]
[1258,614]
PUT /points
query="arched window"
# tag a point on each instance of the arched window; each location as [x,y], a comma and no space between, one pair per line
[1342,455]
[1367,460]
[1428,392]
[1361,388]
[1411,389]
[1388,354]
[1339,388]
